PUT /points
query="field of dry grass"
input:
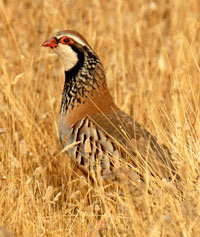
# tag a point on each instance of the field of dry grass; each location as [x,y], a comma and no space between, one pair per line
[151,53]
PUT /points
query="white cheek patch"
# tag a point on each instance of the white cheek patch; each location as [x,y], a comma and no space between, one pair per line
[67,55]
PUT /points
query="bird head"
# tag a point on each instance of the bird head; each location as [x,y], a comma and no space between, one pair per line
[69,45]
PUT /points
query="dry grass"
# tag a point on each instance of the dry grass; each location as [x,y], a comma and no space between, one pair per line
[151,52]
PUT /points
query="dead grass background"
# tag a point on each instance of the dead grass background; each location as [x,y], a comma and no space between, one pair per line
[151,53]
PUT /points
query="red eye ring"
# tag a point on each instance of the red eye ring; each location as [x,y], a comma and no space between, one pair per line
[66,40]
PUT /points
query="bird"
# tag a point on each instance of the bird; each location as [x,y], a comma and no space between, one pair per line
[98,136]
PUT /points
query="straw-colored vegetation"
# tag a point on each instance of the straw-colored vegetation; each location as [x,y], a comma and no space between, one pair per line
[151,53]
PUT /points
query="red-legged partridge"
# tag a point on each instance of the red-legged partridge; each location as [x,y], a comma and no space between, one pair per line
[104,137]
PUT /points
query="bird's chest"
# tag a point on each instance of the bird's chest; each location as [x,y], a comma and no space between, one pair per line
[89,146]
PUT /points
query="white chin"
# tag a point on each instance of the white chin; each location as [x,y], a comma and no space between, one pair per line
[67,55]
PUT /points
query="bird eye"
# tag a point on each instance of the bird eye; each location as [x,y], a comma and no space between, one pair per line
[65,40]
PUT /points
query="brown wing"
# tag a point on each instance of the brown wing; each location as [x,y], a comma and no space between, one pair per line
[142,148]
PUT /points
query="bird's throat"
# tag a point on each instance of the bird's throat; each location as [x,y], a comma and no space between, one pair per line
[73,72]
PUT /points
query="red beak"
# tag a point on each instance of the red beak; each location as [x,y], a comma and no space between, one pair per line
[51,43]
